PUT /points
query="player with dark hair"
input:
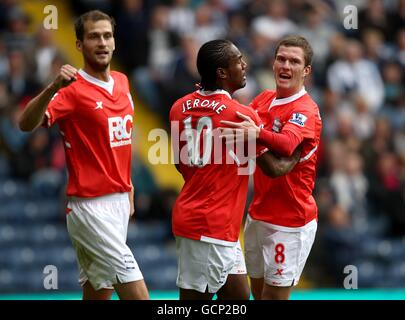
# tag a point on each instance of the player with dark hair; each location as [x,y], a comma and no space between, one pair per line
[282,220]
[93,108]
[208,213]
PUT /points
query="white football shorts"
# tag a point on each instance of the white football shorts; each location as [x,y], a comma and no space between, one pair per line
[276,253]
[98,230]
[203,265]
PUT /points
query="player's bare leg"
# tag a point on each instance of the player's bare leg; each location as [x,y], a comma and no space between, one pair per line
[187,294]
[135,290]
[90,294]
[276,293]
[256,285]
[235,288]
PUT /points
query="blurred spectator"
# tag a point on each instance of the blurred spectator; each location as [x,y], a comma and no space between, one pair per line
[375,48]
[181,17]
[317,32]
[374,16]
[45,52]
[184,71]
[238,31]
[21,82]
[12,139]
[350,187]
[275,23]
[17,36]
[132,46]
[400,48]
[161,43]
[3,59]
[339,242]
[206,26]
[387,192]
[355,74]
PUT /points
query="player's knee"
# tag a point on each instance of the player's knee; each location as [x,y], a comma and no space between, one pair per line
[243,294]
[276,293]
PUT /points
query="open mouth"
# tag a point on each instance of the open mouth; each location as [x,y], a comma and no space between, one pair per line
[284,76]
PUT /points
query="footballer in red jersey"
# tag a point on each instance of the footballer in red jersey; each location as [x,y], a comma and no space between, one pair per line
[208,212]
[94,110]
[282,220]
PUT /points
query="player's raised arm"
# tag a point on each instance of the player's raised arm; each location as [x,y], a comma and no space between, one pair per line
[33,114]
[274,166]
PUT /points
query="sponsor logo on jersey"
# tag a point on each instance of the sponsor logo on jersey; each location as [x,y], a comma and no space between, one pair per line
[120,130]
[298,119]
[99,105]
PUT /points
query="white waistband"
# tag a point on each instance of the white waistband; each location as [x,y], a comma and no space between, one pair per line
[307,226]
[107,197]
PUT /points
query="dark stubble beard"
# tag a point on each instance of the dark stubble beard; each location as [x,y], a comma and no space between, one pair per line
[95,65]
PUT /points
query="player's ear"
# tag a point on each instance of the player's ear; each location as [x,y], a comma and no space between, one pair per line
[79,45]
[221,73]
[307,70]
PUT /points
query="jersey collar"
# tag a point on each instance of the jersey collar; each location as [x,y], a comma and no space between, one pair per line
[277,102]
[103,84]
[210,93]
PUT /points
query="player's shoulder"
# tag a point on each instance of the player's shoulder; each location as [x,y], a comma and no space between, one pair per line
[265,95]
[182,99]
[119,76]
[177,106]
[241,107]
[73,88]
[263,99]
[306,102]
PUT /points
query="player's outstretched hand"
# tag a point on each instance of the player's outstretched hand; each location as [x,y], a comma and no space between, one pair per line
[239,131]
[66,76]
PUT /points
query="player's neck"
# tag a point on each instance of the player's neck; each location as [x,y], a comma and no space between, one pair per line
[281,93]
[100,75]
[227,89]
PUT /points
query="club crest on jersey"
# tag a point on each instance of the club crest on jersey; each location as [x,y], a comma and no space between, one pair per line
[298,119]
[120,130]
[277,125]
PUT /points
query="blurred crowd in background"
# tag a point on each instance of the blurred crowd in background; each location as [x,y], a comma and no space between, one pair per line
[357,80]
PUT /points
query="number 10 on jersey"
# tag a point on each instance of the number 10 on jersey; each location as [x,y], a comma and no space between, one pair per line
[193,136]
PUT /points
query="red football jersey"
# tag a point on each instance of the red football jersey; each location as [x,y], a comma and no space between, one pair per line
[287,200]
[95,121]
[211,203]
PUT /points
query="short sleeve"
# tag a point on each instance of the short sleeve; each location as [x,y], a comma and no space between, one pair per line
[61,105]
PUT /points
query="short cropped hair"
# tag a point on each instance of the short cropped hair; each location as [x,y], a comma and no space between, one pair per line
[297,41]
[94,15]
[211,56]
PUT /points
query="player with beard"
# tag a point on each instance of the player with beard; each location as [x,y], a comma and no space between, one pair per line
[93,108]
